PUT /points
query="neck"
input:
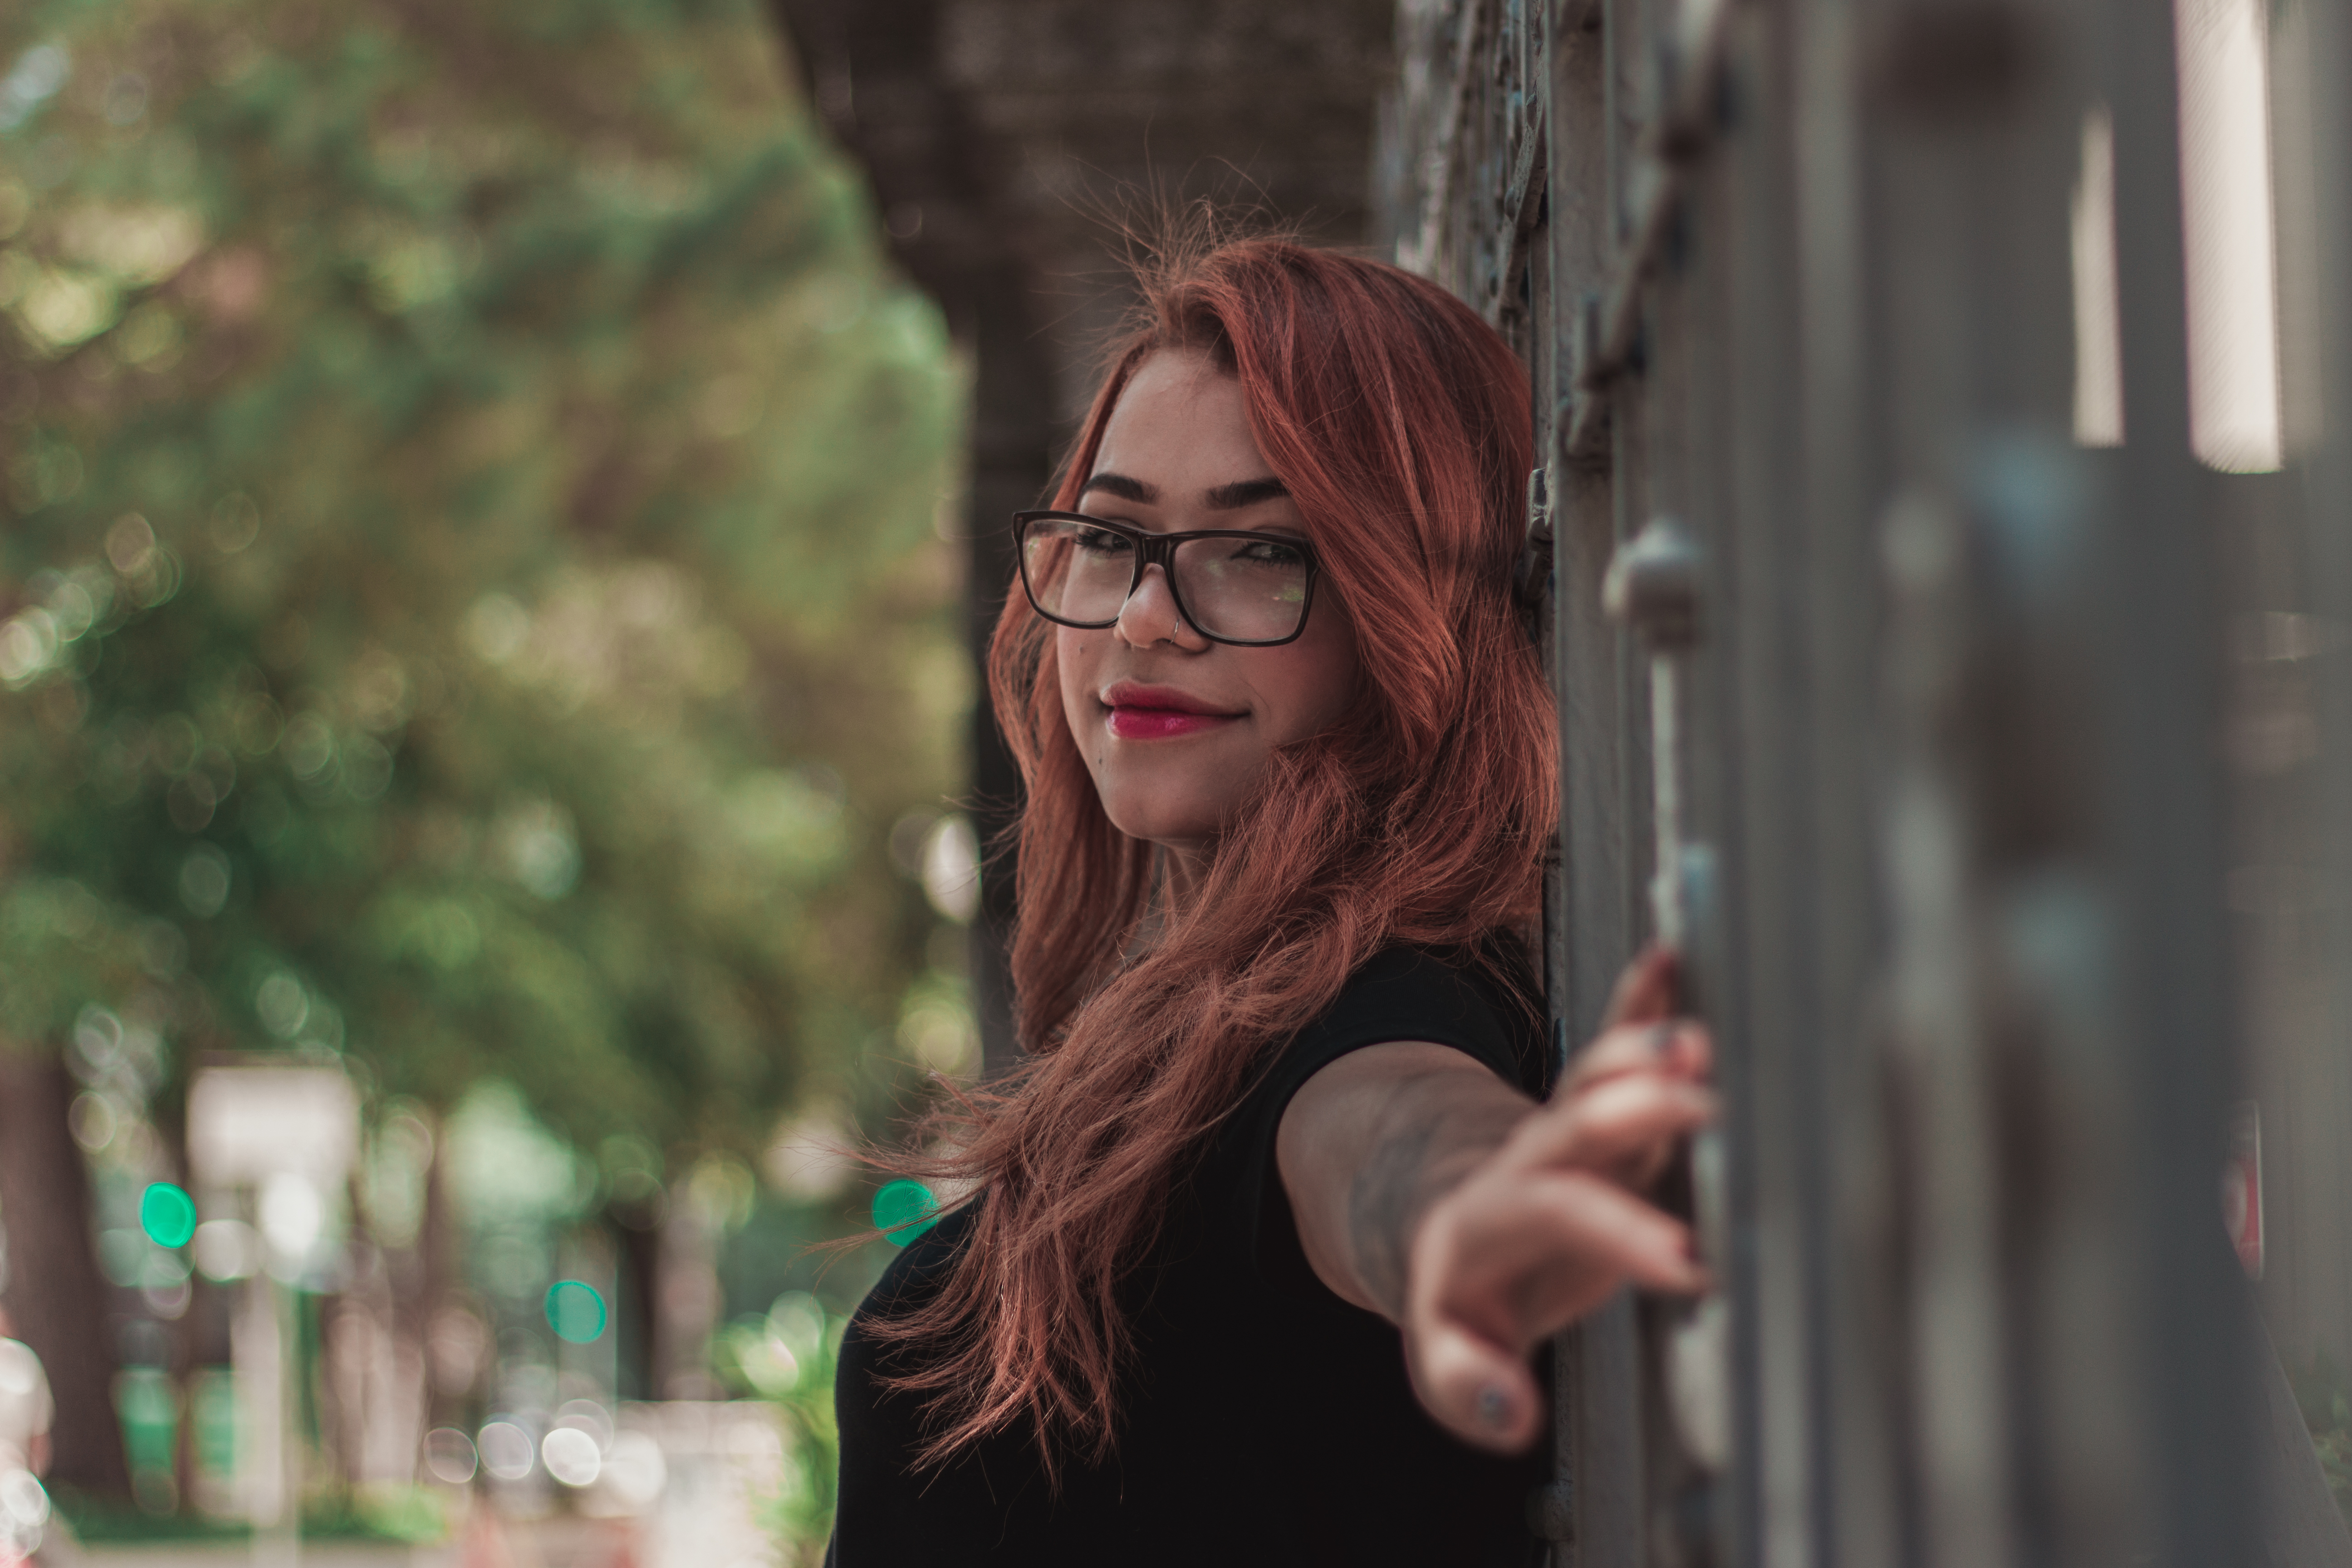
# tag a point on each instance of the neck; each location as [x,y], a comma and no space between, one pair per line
[1183,868]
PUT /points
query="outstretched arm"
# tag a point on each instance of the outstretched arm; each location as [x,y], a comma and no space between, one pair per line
[1426,1189]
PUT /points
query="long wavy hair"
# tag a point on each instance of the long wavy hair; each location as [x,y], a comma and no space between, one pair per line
[1400,423]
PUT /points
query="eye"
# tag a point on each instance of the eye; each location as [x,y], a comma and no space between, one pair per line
[1101,541]
[1270,553]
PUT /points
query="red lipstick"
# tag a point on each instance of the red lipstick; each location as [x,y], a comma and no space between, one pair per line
[1158,713]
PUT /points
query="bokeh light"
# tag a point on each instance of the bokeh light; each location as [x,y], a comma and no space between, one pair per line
[167,1215]
[24,1509]
[23,1501]
[92,1121]
[293,1215]
[586,1416]
[633,1471]
[576,1311]
[228,1250]
[507,1450]
[903,1210]
[449,1456]
[572,1457]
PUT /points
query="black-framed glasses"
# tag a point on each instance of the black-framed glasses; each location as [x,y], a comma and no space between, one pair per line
[1251,590]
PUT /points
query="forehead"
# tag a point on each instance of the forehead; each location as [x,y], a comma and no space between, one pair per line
[1180,424]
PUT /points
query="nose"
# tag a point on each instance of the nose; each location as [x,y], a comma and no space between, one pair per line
[1150,615]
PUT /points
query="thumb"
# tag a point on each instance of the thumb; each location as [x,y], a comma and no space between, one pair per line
[1477,1390]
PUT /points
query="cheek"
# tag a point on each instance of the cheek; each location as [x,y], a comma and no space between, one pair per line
[1319,682]
[1075,654]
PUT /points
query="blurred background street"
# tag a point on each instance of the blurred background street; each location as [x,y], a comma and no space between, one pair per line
[483,809]
[490,781]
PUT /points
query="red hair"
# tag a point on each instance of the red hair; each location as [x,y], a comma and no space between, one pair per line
[1400,423]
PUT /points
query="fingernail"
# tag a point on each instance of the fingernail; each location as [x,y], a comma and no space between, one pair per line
[1494,1406]
[1662,1038]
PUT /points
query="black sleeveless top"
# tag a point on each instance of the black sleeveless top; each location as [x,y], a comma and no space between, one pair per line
[1266,1420]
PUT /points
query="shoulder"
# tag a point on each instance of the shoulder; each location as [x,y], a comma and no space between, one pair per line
[1495,969]
[920,1267]
[1480,999]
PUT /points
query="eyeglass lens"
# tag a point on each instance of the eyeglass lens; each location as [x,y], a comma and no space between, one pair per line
[1247,590]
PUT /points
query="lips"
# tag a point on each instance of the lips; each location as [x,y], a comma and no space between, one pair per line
[1159,712]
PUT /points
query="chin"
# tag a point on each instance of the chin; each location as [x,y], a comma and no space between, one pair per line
[1164,830]
[1157,821]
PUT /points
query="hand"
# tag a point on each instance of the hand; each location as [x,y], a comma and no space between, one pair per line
[1550,1226]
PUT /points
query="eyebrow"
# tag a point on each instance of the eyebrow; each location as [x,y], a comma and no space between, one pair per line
[1123,488]
[1224,498]
[1245,492]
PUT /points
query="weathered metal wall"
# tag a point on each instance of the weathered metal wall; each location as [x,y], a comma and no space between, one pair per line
[1934,775]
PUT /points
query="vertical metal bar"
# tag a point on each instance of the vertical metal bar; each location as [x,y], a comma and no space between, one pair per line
[1668,917]
[1698,356]
[1596,1381]
[1589,675]
[1776,891]
[1836,1102]
[2312,72]
[2195,1369]
[1948,1309]
[2012,1091]
[1646,444]
[2301,1074]
[1654,587]
[2327,61]
[1553,1510]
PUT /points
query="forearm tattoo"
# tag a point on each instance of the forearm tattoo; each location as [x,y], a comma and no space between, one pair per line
[1432,1134]
[1384,1208]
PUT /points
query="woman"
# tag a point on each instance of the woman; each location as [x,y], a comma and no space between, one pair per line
[1290,759]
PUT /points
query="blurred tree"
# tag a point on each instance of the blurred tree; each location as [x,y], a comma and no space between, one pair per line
[470,596]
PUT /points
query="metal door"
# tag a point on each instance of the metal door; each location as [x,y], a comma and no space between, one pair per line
[1858,336]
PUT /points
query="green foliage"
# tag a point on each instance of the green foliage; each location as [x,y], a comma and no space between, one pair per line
[469,595]
[788,1358]
[2323,1392]
[411,1516]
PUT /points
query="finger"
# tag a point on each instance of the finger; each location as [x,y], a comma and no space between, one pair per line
[1623,1119]
[1678,1046]
[1480,1392]
[1648,989]
[1482,1296]
[1579,1238]
[1523,1260]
